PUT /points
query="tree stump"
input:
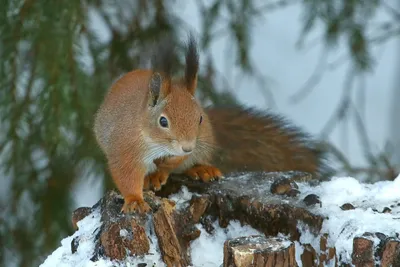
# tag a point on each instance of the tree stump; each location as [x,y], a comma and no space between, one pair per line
[264,201]
[259,251]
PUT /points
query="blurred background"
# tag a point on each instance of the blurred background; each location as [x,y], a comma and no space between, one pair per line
[332,67]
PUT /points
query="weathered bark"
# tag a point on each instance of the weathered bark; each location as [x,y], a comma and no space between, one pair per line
[309,256]
[259,251]
[327,254]
[121,236]
[79,214]
[391,253]
[363,252]
[172,252]
[250,201]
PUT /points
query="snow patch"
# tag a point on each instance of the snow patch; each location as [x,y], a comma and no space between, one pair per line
[182,198]
[123,233]
[63,257]
[299,250]
[207,250]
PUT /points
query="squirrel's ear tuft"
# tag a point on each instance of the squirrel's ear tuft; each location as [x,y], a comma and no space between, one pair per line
[158,88]
[155,88]
[192,65]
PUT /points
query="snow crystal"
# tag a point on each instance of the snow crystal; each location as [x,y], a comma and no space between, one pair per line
[123,233]
[182,198]
[207,250]
[341,225]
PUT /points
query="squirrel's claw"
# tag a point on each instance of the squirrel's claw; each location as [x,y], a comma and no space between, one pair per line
[155,180]
[139,206]
[204,172]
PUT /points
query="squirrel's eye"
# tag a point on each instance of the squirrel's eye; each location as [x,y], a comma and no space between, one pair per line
[163,122]
[201,119]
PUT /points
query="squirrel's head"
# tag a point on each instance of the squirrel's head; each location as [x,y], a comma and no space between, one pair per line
[175,116]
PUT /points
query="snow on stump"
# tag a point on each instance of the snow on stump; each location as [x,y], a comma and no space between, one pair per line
[79,214]
[366,252]
[326,221]
[124,235]
[327,254]
[259,251]
[248,198]
[121,236]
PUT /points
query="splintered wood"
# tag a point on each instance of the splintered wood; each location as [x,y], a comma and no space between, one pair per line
[171,250]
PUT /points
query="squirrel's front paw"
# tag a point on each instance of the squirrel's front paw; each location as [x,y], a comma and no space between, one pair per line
[204,172]
[155,180]
[133,204]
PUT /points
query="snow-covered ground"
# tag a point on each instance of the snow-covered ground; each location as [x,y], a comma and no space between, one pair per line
[207,250]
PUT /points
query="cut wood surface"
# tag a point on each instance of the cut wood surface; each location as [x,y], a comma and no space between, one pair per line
[259,251]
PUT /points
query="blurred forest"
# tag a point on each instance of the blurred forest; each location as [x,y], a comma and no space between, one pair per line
[55,68]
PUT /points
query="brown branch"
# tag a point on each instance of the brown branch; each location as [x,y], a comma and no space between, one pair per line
[271,7]
[362,133]
[384,36]
[312,81]
[342,109]
[391,10]
[389,172]
[265,90]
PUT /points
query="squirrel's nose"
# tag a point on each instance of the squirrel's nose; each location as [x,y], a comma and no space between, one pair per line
[187,149]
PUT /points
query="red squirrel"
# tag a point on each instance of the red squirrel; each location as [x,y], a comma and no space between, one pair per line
[150,125]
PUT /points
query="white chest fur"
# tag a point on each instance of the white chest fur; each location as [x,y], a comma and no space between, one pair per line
[153,151]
